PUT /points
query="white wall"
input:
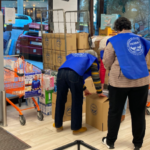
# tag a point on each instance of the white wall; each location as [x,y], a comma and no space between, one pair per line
[58,16]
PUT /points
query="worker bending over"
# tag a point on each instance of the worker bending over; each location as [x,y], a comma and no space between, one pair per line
[71,75]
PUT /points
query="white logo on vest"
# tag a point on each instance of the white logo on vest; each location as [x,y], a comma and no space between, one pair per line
[135,46]
[79,54]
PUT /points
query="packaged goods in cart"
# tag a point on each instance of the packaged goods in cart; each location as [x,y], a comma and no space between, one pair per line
[48,82]
[46,97]
[47,71]
[54,74]
[32,84]
[46,108]
[9,64]
[30,102]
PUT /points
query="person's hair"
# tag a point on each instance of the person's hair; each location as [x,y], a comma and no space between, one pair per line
[122,23]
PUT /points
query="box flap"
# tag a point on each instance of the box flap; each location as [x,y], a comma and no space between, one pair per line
[96,97]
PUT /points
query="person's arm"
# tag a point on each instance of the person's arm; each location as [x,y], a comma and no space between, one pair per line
[109,56]
[95,77]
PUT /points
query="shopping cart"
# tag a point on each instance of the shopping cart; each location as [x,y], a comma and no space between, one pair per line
[14,83]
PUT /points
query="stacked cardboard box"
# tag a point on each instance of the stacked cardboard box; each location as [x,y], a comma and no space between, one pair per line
[54,46]
[82,42]
[96,41]
[107,32]
[67,112]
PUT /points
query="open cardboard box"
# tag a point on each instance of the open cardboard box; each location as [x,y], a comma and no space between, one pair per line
[97,111]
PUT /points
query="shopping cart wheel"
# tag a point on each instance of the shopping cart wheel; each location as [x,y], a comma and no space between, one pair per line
[148,110]
[22,120]
[20,101]
[40,116]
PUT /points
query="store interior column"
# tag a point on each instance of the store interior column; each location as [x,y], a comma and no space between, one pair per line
[20,6]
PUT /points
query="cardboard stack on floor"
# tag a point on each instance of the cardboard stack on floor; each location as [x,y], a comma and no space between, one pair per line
[54,49]
[82,42]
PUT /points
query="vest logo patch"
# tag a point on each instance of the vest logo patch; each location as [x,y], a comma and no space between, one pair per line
[135,46]
[79,54]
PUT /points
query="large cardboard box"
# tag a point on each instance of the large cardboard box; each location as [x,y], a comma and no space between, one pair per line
[48,41]
[90,85]
[59,41]
[59,57]
[67,112]
[48,57]
[56,41]
[97,111]
[81,51]
[48,66]
[82,41]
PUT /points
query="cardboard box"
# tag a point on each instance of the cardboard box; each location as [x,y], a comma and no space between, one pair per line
[59,41]
[48,57]
[81,51]
[59,57]
[67,112]
[48,66]
[56,41]
[48,41]
[90,85]
[97,111]
[82,41]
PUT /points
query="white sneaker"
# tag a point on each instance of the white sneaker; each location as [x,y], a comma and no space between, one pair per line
[104,141]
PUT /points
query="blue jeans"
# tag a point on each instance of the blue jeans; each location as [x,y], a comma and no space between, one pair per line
[69,79]
[125,107]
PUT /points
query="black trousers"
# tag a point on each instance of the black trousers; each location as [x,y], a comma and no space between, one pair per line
[69,79]
[137,104]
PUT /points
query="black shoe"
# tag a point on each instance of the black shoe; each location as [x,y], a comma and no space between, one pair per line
[137,148]
[104,141]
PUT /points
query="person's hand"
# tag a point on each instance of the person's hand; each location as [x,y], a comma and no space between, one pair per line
[102,95]
[86,92]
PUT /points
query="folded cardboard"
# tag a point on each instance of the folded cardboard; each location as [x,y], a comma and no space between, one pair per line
[67,112]
[82,41]
[97,111]
[90,85]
